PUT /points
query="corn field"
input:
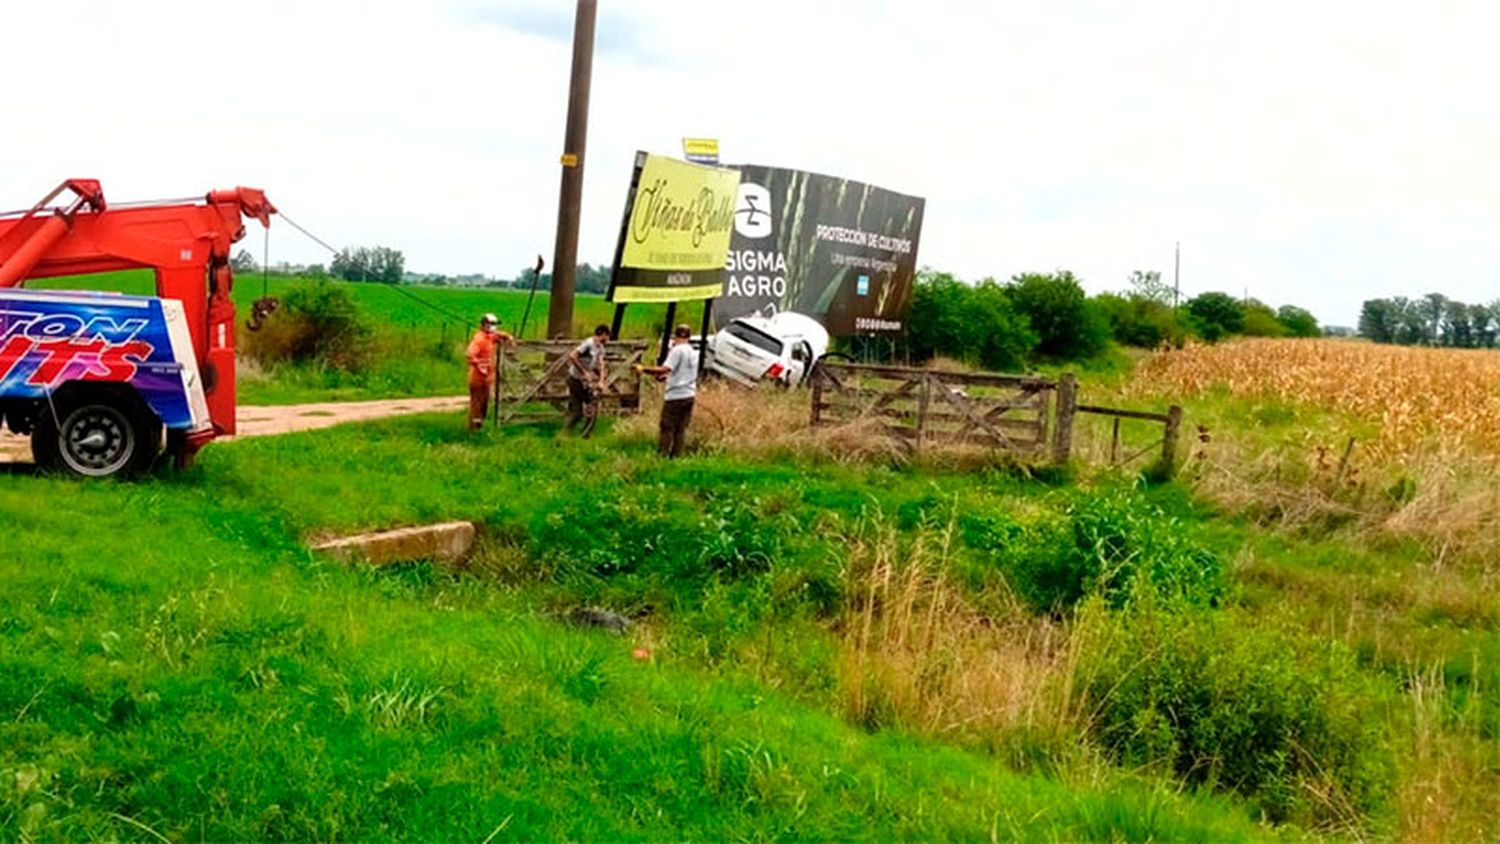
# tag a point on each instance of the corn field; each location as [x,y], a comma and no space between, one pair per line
[1423,399]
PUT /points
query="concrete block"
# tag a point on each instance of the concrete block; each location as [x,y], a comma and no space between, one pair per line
[448,543]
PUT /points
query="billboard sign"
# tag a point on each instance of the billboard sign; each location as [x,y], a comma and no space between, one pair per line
[840,251]
[678,220]
[701,150]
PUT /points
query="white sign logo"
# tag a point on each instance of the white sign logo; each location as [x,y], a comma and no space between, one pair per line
[752,214]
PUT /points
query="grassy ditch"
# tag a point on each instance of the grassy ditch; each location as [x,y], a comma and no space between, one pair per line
[820,648]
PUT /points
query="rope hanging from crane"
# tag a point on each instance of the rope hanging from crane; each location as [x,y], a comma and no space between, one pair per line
[267,304]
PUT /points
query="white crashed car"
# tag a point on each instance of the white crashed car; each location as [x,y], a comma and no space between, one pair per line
[781,349]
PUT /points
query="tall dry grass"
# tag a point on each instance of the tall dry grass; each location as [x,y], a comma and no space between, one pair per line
[916,653]
[1448,789]
[766,422]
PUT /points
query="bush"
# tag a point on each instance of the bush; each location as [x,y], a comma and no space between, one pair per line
[1216,316]
[1138,321]
[975,324]
[317,323]
[1067,324]
[660,539]
[1115,544]
[1261,321]
[1216,704]
[1298,322]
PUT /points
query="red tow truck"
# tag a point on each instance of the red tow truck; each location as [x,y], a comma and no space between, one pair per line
[104,383]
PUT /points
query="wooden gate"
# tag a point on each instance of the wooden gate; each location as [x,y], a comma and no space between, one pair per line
[1016,413]
[920,406]
[533,379]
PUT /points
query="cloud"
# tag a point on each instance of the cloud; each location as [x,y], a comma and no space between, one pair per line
[614,34]
[1314,154]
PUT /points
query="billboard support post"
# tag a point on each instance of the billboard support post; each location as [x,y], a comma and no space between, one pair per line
[666,332]
[708,309]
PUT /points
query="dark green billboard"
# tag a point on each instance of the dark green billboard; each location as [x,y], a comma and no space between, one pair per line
[837,250]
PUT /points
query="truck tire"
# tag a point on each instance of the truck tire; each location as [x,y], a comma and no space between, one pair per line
[97,437]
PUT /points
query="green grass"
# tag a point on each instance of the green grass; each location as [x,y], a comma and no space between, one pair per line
[184,665]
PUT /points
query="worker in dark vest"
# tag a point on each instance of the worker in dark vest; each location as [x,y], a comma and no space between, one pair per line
[586,380]
[680,372]
[482,358]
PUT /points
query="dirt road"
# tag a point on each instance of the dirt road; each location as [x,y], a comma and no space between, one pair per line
[262,421]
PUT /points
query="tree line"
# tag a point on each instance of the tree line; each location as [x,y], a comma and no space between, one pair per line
[1432,320]
[1049,316]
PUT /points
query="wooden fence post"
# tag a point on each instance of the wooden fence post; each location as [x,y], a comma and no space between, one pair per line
[922,399]
[1169,441]
[1067,406]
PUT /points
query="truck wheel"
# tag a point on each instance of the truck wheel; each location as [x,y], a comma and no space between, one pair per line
[96,439]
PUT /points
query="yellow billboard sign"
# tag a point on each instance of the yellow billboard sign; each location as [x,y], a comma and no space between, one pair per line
[683,216]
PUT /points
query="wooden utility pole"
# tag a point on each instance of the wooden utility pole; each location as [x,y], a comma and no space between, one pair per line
[570,199]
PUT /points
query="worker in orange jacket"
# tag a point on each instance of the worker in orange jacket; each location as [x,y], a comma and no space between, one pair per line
[481,355]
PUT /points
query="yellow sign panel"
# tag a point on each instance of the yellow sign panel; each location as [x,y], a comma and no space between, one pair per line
[569,159]
[682,218]
[702,150]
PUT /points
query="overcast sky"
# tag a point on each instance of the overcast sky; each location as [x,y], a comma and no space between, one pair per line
[1317,152]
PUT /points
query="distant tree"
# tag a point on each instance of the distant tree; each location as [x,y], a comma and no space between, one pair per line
[1298,322]
[1433,306]
[1149,286]
[1067,324]
[1379,320]
[1458,331]
[317,270]
[974,323]
[1135,320]
[1216,315]
[379,263]
[1484,321]
[1414,327]
[1260,320]
[243,262]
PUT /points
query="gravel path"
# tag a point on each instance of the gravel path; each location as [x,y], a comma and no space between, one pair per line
[268,420]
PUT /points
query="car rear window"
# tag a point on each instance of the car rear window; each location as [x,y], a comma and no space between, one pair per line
[754,337]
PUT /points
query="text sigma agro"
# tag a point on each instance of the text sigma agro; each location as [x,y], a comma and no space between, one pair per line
[753,273]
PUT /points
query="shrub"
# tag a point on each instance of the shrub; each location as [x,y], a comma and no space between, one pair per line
[1213,703]
[1260,321]
[1216,315]
[1298,322]
[317,323]
[660,539]
[1138,321]
[1067,324]
[1115,544]
[975,324]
